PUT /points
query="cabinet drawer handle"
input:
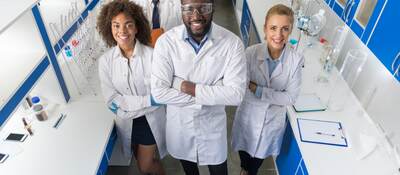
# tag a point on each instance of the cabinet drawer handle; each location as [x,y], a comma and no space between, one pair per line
[349,10]
[346,6]
[394,64]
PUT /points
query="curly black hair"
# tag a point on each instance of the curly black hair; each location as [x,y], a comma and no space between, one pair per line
[114,8]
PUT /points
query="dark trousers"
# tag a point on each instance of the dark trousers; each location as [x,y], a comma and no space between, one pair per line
[248,163]
[191,168]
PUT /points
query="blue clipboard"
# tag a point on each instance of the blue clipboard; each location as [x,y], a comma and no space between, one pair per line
[321,132]
[308,103]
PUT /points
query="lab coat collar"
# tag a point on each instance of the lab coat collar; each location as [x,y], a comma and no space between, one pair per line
[264,68]
[211,35]
[137,50]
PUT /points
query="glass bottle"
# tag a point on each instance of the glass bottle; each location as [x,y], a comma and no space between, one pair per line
[38,109]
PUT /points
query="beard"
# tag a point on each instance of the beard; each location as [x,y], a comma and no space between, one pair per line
[199,34]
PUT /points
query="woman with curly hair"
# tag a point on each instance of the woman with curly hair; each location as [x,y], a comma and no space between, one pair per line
[124,72]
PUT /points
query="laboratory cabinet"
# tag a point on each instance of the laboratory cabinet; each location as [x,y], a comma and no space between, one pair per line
[345,9]
[329,2]
[373,21]
[384,40]
[107,154]
[359,15]
[364,19]
[248,30]
[245,23]
[290,161]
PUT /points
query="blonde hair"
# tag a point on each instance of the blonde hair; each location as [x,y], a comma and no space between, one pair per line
[280,9]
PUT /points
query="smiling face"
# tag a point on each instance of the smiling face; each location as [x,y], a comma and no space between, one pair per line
[124,30]
[277,29]
[197,17]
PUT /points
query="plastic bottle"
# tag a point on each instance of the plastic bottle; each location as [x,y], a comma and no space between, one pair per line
[38,109]
[293,43]
[317,22]
[68,51]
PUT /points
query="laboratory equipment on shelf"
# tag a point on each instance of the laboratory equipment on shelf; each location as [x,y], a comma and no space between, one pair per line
[311,26]
[328,61]
[331,52]
[299,7]
[81,52]
[316,23]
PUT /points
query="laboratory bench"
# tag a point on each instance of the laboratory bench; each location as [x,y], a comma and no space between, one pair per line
[298,157]
[81,145]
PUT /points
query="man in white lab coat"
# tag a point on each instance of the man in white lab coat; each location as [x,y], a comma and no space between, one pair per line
[198,68]
[162,14]
[168,11]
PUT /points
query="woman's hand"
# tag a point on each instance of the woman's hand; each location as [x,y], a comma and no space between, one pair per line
[252,87]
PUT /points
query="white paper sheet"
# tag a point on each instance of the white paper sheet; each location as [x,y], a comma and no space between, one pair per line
[321,132]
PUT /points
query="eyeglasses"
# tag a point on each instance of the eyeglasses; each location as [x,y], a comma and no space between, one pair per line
[201,8]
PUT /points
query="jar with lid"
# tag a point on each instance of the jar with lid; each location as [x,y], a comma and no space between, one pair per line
[38,109]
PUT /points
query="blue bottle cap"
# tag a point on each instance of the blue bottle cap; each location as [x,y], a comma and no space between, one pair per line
[293,41]
[35,100]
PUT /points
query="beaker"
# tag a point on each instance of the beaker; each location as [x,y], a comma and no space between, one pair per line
[328,61]
[338,37]
[350,70]
[353,65]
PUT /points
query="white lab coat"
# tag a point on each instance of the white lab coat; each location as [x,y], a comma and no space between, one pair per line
[259,124]
[196,126]
[170,12]
[131,90]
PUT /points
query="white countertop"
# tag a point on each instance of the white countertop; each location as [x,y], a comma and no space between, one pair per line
[326,159]
[76,147]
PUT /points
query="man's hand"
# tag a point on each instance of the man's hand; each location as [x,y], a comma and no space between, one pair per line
[252,87]
[188,88]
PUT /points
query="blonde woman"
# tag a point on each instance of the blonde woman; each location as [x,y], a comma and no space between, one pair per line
[274,71]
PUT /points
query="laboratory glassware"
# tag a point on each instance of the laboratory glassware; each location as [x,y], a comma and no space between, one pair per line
[350,71]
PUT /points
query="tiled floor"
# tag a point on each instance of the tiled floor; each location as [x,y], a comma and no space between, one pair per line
[224,16]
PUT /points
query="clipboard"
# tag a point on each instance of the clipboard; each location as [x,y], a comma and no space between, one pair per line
[309,103]
[321,132]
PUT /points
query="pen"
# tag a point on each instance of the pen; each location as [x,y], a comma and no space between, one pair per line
[27,127]
[326,134]
[58,122]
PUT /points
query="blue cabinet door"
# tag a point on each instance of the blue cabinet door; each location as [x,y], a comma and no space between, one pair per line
[111,142]
[245,23]
[338,8]
[289,158]
[384,40]
[330,2]
[345,11]
[364,30]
